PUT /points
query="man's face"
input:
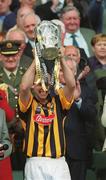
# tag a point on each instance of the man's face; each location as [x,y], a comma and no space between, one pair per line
[4,6]
[39,92]
[21,13]
[100,49]
[71,20]
[30,3]
[71,55]
[29,26]
[11,62]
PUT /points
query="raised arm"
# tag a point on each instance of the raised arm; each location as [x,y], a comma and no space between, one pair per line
[69,79]
[27,83]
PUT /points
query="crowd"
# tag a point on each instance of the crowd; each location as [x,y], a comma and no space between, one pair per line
[52,131]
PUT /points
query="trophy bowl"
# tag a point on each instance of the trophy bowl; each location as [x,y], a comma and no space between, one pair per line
[50,53]
[49,38]
[47,45]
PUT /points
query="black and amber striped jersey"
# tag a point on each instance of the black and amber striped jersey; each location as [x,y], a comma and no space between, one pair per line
[44,134]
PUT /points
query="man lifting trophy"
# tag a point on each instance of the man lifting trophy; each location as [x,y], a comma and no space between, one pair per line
[43,112]
[48,43]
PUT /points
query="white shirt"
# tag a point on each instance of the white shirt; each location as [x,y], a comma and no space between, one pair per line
[32,42]
[80,41]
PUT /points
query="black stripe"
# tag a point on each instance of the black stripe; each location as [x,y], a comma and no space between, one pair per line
[28,119]
[35,145]
[60,116]
[52,142]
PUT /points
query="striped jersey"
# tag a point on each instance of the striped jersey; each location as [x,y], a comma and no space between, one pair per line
[44,134]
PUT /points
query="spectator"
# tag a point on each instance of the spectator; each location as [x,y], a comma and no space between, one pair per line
[48,11]
[22,11]
[80,123]
[5,13]
[4,154]
[95,10]
[75,35]
[98,65]
[51,10]
[19,35]
[30,22]
[14,6]
[82,61]
[82,7]
[29,3]
[49,149]
[11,74]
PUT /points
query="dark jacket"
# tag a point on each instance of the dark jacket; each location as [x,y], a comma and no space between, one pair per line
[80,126]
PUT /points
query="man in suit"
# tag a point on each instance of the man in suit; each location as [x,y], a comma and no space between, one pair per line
[30,22]
[79,37]
[80,122]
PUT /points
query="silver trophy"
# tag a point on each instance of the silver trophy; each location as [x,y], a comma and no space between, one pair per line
[48,43]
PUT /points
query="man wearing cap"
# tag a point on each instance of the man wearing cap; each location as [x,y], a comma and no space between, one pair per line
[11,73]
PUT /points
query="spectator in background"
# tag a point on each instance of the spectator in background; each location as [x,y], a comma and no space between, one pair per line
[14,6]
[4,154]
[49,10]
[22,11]
[19,35]
[98,65]
[82,7]
[29,3]
[30,21]
[14,65]
[95,10]
[52,9]
[80,122]
[6,13]
[75,35]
